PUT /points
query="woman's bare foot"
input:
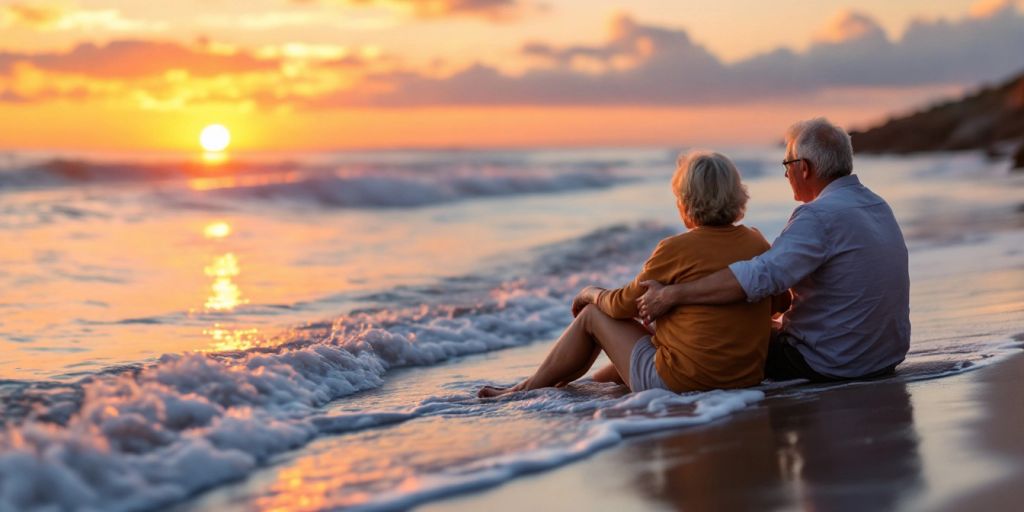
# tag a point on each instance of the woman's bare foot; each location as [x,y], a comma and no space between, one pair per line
[494,391]
[491,392]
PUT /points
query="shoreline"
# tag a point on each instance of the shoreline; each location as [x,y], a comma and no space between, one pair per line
[939,444]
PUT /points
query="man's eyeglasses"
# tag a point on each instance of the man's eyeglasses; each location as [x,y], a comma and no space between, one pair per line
[785,164]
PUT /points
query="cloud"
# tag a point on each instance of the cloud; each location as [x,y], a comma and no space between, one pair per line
[638,64]
[989,8]
[169,76]
[126,59]
[32,16]
[642,64]
[490,9]
[267,20]
[850,26]
[52,18]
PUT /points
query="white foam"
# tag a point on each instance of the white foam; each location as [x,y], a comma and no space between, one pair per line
[193,421]
[638,413]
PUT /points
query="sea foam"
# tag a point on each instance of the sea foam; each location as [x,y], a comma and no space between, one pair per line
[152,436]
[612,420]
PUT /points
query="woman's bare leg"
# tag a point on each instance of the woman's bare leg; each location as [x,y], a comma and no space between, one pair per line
[583,369]
[608,374]
[576,350]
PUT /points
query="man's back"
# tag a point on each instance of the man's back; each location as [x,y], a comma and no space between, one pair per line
[845,259]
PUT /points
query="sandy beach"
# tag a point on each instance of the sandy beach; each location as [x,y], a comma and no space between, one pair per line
[942,444]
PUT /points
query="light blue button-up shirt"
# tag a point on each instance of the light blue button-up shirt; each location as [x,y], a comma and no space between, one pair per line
[844,257]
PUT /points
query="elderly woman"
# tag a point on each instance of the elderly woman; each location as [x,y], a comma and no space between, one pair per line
[694,347]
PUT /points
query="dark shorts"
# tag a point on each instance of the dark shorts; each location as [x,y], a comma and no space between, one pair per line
[785,362]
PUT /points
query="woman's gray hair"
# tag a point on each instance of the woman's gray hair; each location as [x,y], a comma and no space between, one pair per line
[708,186]
[826,145]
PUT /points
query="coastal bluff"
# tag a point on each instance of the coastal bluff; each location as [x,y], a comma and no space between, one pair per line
[989,119]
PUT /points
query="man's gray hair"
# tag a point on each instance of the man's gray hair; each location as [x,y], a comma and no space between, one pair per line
[708,186]
[824,144]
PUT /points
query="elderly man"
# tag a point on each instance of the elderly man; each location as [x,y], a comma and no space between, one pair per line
[843,257]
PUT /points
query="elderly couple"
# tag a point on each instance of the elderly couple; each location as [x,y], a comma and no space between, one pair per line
[837,275]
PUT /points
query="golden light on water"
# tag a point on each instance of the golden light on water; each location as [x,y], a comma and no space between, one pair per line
[216,230]
[214,158]
[230,340]
[225,294]
[215,138]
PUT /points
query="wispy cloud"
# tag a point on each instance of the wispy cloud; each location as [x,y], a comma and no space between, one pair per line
[298,18]
[125,59]
[496,10]
[46,17]
[169,76]
[28,15]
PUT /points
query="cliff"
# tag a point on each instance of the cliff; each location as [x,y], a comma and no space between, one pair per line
[988,119]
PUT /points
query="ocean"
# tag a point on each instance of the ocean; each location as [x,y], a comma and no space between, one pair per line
[308,331]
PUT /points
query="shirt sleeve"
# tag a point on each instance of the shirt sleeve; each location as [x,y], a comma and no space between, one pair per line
[798,251]
[621,303]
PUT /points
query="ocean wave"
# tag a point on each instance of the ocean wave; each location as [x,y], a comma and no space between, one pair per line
[58,172]
[177,186]
[152,436]
[377,188]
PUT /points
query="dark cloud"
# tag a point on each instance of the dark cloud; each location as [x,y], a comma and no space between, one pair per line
[649,65]
[128,59]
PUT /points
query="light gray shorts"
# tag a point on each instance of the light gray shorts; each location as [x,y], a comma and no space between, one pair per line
[643,374]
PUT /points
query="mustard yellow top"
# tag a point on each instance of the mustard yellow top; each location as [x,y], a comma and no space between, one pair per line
[702,347]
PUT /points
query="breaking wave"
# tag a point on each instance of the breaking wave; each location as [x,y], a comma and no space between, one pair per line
[145,437]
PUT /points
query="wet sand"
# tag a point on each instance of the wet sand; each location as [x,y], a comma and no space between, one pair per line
[952,443]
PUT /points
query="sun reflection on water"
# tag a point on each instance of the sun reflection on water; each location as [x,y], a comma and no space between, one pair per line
[214,158]
[351,470]
[217,230]
[230,340]
[226,295]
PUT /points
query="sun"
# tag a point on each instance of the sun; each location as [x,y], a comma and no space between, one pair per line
[215,137]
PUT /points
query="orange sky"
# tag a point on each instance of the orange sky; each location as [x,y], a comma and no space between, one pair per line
[332,74]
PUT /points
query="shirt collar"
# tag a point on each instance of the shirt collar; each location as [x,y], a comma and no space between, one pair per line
[838,183]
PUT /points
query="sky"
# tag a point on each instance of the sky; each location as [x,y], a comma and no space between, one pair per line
[134,75]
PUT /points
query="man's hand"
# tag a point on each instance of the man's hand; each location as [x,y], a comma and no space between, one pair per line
[653,303]
[586,296]
[718,288]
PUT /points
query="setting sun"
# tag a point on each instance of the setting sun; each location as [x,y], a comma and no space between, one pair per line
[215,137]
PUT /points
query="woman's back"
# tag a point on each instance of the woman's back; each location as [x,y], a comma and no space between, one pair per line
[702,347]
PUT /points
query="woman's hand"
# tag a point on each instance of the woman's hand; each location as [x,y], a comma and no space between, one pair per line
[578,304]
[653,303]
[586,296]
